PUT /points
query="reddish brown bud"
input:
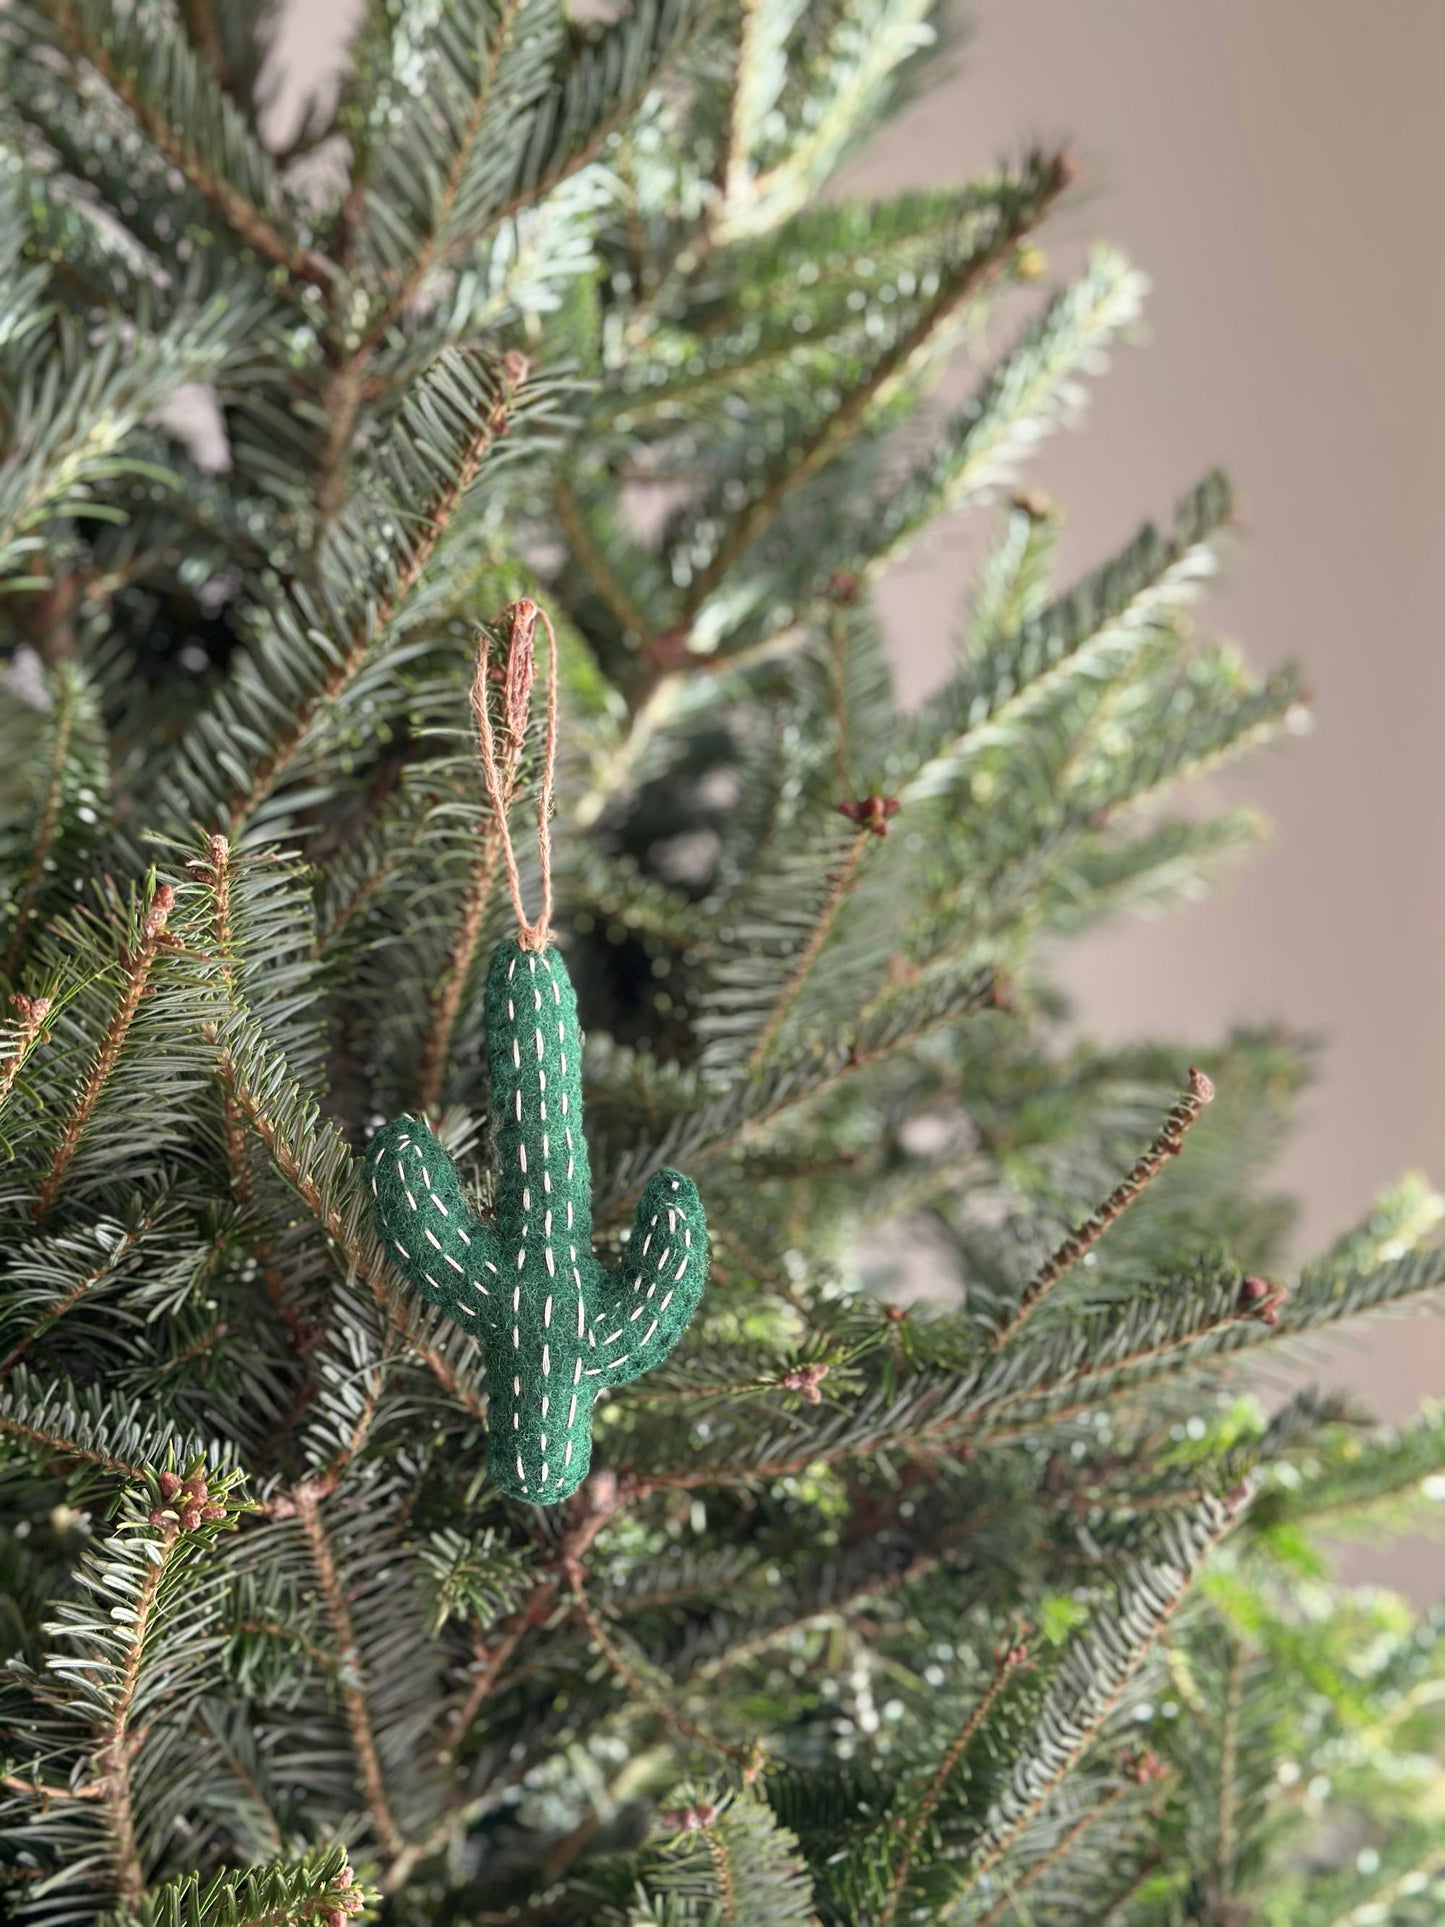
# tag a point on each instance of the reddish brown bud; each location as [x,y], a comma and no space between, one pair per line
[898,1313]
[1143,1766]
[843,586]
[806,1379]
[1200,1086]
[1254,1288]
[213,1511]
[190,1518]
[159,1516]
[162,903]
[515,367]
[688,1819]
[871,812]
[170,1484]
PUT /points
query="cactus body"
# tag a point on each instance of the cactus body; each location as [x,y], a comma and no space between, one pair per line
[556,1326]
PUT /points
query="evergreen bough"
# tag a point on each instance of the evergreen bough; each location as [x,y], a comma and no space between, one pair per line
[1006,1606]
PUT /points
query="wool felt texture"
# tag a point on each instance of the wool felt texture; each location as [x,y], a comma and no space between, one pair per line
[556,1326]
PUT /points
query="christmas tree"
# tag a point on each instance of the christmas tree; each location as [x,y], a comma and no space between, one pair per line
[1003,1604]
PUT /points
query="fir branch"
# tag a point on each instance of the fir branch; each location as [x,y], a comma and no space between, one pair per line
[840,884]
[114,1260]
[53,1421]
[345,663]
[1034,195]
[21,1037]
[120,48]
[1011,1656]
[1061,1849]
[1095,1674]
[137,966]
[67,696]
[358,1716]
[642,1689]
[117,1745]
[1167,1145]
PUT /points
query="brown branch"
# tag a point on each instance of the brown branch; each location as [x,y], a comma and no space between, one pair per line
[727,1891]
[839,884]
[137,967]
[1228,1759]
[602,1496]
[235,209]
[358,1716]
[1006,1663]
[732,157]
[593,562]
[642,1690]
[829,437]
[119,1747]
[1167,1145]
[275,761]
[17,1784]
[45,834]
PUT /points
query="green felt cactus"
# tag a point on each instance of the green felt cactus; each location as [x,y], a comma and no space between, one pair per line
[557,1327]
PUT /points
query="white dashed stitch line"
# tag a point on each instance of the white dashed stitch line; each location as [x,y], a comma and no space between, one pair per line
[517,1298]
[409,1198]
[477,1285]
[522,1156]
[540,1047]
[431,1281]
[511,1010]
[425,1174]
[521,1257]
[666,1301]
[401,1172]
[438,1203]
[520,1473]
[452,1262]
[544,1468]
[511,967]
[490,1266]
[518,1097]
[577,1373]
[612,1337]
[516,1388]
[430,1236]
[572,1412]
[650,1330]
[547,1312]
[526,1198]
[401,1247]
[516,1055]
[568,1460]
[551,1261]
[516,1339]
[516,1421]
[374,1192]
[546,1401]
[546,1366]
[672,1184]
[636,1314]
[463,1236]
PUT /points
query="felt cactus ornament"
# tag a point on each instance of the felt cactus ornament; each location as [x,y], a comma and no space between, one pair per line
[557,1327]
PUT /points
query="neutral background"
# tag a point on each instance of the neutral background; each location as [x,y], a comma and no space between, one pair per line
[1277,170]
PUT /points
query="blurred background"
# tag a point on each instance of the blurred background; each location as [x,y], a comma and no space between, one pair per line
[1276,170]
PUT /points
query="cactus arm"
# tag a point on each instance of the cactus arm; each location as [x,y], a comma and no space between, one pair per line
[642,1310]
[429,1230]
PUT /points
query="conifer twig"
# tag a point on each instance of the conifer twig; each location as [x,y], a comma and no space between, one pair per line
[1007,1660]
[837,429]
[30,889]
[119,1744]
[137,967]
[1166,1145]
[839,884]
[82,1286]
[28,1031]
[238,212]
[1057,1852]
[358,1714]
[346,663]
